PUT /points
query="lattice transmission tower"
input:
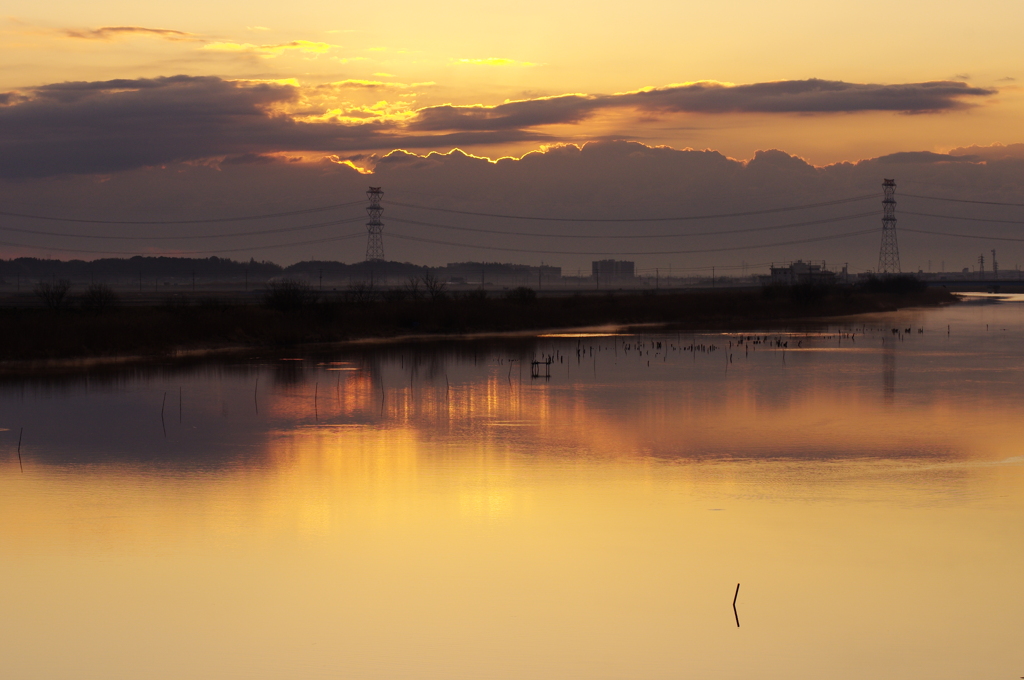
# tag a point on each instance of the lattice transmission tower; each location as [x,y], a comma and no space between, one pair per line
[889,253]
[374,228]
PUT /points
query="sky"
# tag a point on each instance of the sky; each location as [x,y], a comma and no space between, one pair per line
[135,111]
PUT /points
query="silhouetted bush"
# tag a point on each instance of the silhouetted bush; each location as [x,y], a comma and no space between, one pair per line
[289,295]
[54,295]
[396,295]
[901,284]
[808,293]
[99,297]
[522,295]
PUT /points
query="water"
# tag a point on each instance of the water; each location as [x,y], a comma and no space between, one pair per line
[433,511]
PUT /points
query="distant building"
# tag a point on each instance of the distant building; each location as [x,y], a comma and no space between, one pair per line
[610,270]
[801,272]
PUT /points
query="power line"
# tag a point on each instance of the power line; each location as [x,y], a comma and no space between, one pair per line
[172,238]
[640,219]
[977,236]
[635,236]
[290,213]
[963,200]
[651,252]
[958,217]
[184,252]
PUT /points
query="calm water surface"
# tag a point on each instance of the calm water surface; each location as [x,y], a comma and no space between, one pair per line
[433,511]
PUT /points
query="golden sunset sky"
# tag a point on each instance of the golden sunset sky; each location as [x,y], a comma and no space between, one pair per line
[109,90]
[383,63]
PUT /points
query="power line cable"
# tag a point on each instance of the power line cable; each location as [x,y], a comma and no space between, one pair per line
[186,252]
[962,200]
[632,236]
[640,219]
[977,236]
[173,238]
[290,213]
[958,217]
[650,252]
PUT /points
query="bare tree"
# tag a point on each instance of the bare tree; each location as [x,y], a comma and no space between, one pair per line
[436,288]
[54,294]
[98,297]
[413,288]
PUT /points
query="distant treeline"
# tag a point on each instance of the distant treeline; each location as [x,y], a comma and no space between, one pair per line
[95,324]
[32,269]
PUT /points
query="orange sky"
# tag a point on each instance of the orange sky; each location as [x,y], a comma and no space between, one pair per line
[389,63]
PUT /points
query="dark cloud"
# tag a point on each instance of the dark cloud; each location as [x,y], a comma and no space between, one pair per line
[249,159]
[530,113]
[994,152]
[111,32]
[115,125]
[917,157]
[99,127]
[792,96]
[809,96]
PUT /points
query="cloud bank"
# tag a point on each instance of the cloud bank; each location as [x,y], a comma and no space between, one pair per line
[115,125]
[605,180]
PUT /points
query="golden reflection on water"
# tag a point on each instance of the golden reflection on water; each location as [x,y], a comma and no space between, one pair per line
[478,525]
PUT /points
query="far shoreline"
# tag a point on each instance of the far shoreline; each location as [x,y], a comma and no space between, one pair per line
[52,341]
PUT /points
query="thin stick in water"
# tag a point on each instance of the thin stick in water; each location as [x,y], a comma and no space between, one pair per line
[21,431]
[735,613]
[163,405]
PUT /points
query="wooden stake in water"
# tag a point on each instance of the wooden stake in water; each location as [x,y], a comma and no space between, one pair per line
[163,405]
[21,431]
[735,613]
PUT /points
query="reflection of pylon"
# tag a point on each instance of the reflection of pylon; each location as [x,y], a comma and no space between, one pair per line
[374,228]
[889,254]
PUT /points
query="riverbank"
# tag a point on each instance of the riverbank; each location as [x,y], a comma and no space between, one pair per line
[115,333]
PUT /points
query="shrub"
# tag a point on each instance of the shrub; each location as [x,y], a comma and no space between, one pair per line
[98,297]
[522,294]
[289,295]
[899,284]
[54,295]
[396,295]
